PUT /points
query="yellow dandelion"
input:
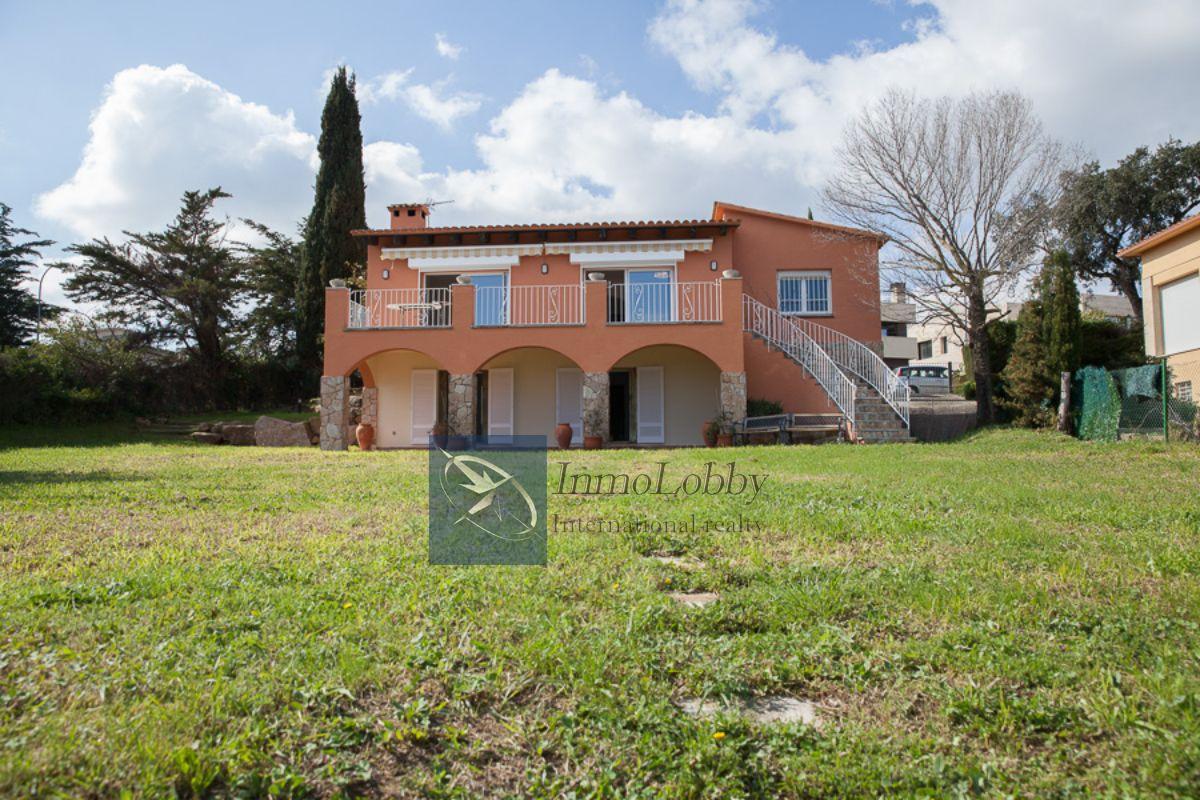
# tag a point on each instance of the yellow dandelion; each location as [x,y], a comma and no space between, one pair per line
[719,735]
[347,605]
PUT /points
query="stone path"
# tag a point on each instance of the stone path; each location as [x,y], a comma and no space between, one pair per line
[762,710]
[694,599]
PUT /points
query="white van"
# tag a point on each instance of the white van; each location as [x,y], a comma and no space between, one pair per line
[926,378]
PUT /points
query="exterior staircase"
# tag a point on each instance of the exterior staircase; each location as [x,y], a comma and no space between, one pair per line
[875,421]
[870,396]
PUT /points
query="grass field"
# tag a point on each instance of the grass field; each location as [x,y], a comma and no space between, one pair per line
[1015,614]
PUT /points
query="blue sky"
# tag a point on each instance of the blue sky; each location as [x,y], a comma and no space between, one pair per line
[538,110]
[276,53]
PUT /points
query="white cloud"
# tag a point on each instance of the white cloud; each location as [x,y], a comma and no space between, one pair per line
[430,102]
[1109,75]
[446,48]
[159,132]
[1106,73]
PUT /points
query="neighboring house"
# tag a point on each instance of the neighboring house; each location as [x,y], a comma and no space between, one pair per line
[1171,300]
[898,315]
[1112,307]
[635,332]
[939,343]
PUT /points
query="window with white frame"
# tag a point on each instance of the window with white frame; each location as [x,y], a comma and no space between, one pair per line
[1183,391]
[805,293]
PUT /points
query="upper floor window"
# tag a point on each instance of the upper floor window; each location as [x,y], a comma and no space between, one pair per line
[805,293]
[925,349]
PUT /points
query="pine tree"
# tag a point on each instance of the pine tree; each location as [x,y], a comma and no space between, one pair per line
[1061,319]
[18,308]
[328,250]
[181,286]
[1027,380]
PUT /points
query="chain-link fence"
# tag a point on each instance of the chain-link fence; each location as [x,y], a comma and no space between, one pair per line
[1124,403]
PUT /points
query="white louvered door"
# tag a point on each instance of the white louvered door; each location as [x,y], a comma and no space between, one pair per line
[500,404]
[651,421]
[424,404]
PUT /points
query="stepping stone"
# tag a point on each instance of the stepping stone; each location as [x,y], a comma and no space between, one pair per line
[760,710]
[685,563]
[694,599]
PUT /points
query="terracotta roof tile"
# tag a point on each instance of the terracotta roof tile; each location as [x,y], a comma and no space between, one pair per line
[549,226]
[1162,237]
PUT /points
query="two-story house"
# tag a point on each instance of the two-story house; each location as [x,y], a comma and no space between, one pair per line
[631,332]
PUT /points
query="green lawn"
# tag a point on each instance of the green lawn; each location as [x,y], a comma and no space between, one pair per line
[1015,614]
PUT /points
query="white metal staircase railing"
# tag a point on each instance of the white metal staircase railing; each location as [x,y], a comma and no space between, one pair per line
[855,357]
[780,332]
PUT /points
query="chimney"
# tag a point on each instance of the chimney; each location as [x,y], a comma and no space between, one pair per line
[899,292]
[408,216]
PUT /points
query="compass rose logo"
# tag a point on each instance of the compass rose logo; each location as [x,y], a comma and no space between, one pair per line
[487,497]
[487,504]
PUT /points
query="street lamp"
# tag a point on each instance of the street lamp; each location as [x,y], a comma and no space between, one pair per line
[38,337]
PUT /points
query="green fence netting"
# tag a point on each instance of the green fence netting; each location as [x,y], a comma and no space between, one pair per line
[1128,402]
[1097,404]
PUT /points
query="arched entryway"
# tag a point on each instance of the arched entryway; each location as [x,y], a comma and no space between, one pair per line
[527,391]
[410,397]
[663,395]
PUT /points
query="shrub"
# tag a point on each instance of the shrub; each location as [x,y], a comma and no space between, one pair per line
[759,407]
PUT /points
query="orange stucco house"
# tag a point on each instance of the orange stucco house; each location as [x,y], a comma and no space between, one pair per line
[634,332]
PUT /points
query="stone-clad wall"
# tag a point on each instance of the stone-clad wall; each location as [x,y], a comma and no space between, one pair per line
[335,413]
[595,404]
[733,394]
[460,405]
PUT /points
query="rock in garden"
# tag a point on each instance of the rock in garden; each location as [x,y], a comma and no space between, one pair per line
[239,434]
[694,599]
[206,437]
[204,427]
[274,432]
[760,710]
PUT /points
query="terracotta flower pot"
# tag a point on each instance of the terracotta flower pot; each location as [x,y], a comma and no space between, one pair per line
[709,433]
[562,434]
[592,442]
[724,440]
[365,434]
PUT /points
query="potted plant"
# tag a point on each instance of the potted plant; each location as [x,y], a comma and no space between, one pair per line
[724,430]
[592,442]
[710,430]
[563,434]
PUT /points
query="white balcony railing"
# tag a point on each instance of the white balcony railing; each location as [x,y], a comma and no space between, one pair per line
[529,305]
[664,303]
[399,308]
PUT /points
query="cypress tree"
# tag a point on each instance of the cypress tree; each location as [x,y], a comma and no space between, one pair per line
[328,250]
[1027,380]
[1061,319]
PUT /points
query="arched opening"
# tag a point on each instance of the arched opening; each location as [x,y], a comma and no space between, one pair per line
[663,395]
[410,399]
[528,391]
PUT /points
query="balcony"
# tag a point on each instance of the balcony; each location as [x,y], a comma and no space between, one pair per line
[594,324]
[663,303]
[537,306]
[399,308]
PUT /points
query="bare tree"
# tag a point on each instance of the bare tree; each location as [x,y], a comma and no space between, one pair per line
[951,182]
